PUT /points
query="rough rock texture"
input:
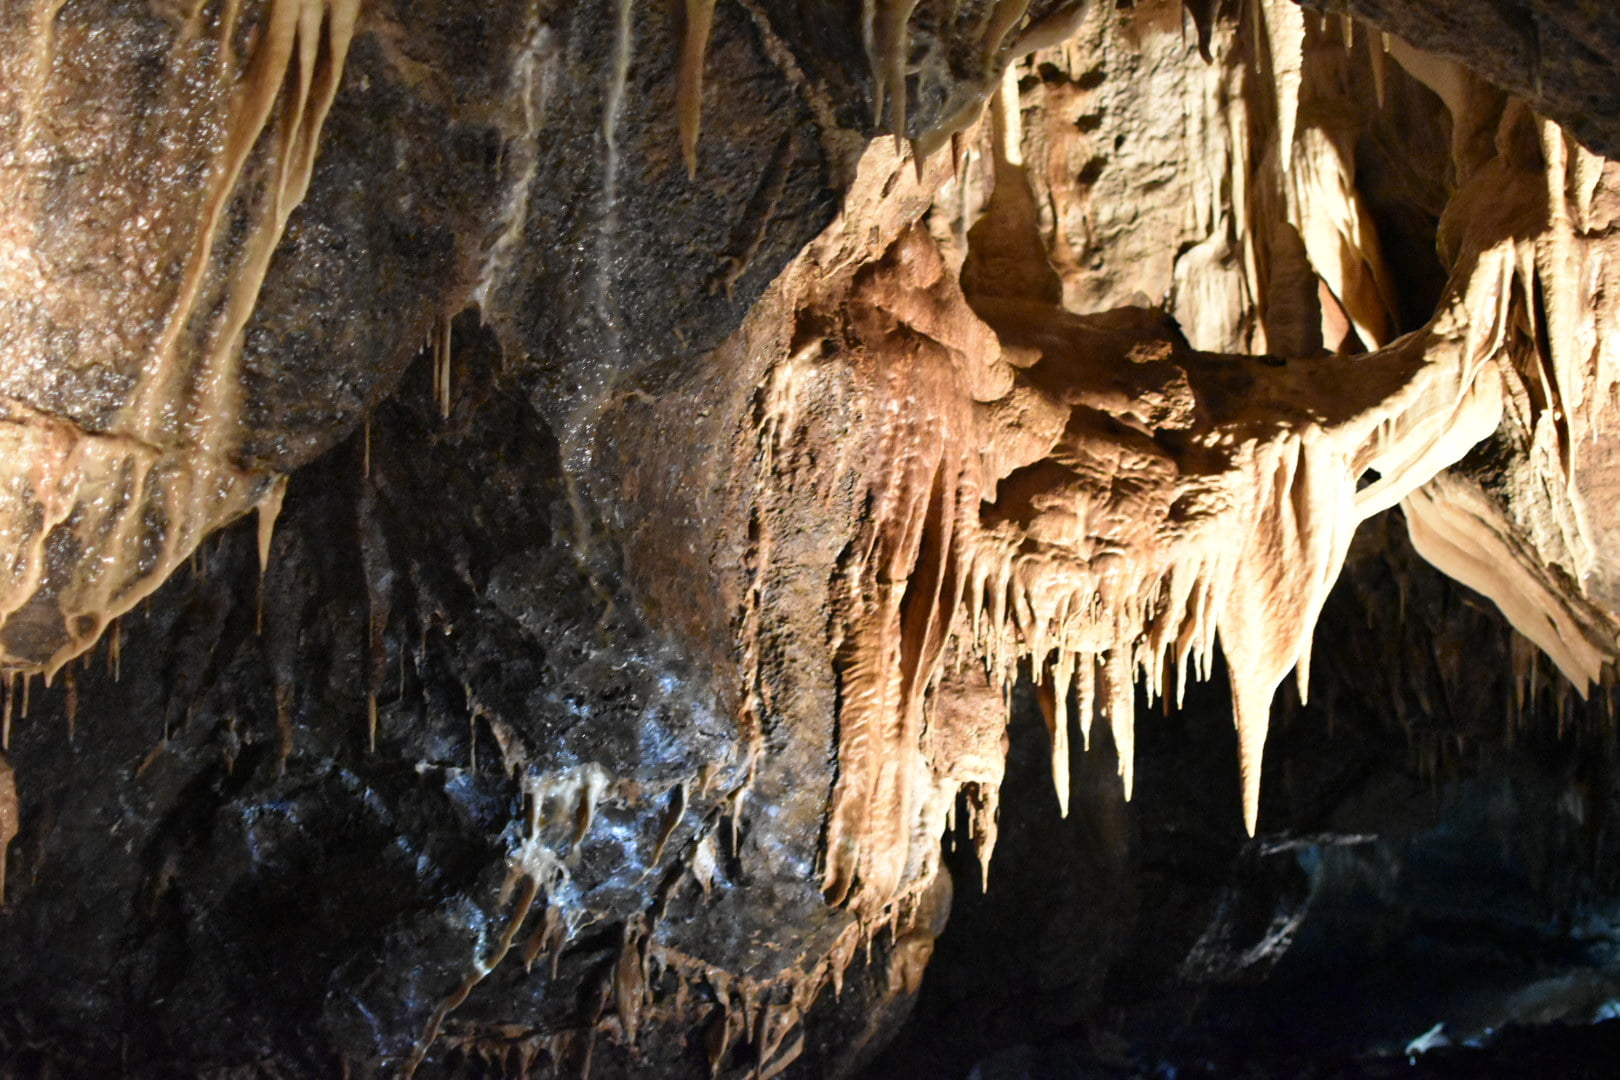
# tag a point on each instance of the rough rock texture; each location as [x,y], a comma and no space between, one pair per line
[1556,56]
[663,488]
[279,702]
[1419,869]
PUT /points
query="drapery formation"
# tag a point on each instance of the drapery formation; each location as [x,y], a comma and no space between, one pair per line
[1080,382]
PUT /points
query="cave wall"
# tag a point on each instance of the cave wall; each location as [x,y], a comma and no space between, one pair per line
[645,559]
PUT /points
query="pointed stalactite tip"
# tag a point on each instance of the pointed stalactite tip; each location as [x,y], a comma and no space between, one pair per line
[689,79]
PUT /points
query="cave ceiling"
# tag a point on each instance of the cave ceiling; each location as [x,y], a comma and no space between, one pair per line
[525,524]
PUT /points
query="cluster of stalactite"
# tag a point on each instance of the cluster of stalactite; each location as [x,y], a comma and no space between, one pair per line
[1100,498]
[103,497]
[1094,502]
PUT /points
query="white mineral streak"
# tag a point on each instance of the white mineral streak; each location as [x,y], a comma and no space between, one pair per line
[559,809]
[534,84]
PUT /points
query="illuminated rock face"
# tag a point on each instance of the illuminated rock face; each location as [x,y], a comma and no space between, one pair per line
[176,328]
[608,668]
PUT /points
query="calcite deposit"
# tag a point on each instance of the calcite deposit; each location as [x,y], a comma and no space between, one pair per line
[683,438]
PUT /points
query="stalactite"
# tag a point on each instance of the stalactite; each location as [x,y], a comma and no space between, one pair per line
[630,980]
[167,454]
[560,808]
[70,703]
[1086,500]
[893,40]
[1176,502]
[1290,502]
[269,508]
[1004,15]
[8,816]
[689,79]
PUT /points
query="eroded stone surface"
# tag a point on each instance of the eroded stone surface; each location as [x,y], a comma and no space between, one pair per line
[609,686]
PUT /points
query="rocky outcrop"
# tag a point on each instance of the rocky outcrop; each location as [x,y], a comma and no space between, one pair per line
[663,487]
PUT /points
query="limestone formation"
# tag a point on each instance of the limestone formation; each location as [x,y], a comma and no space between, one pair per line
[677,433]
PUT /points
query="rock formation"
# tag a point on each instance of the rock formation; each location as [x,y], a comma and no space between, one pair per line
[681,436]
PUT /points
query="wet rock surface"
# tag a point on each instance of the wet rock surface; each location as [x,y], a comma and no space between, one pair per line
[223,868]
[518,753]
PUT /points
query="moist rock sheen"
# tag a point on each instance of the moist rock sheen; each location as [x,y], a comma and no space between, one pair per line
[279,821]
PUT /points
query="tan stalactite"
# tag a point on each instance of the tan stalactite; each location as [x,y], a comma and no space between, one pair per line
[1273,132]
[1541,296]
[1138,560]
[630,980]
[1298,496]
[8,817]
[105,489]
[892,39]
[1004,15]
[1313,174]
[1379,53]
[292,28]
[1463,534]
[443,347]
[689,78]
[1283,27]
[901,584]
[1092,499]
[885,33]
[269,508]
[1055,710]
[166,456]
